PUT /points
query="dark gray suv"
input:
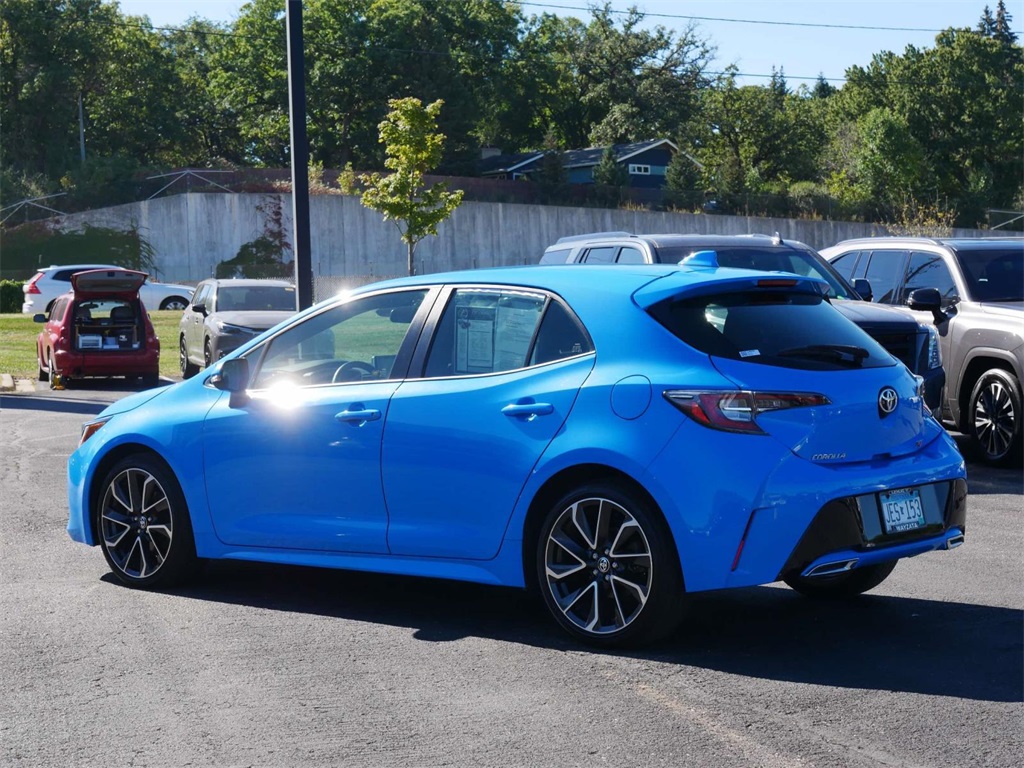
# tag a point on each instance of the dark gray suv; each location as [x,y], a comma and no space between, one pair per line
[973,290]
[914,344]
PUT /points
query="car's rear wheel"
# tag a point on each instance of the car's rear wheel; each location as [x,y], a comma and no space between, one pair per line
[607,568]
[838,585]
[143,524]
[994,414]
[44,374]
[188,369]
[207,354]
[174,302]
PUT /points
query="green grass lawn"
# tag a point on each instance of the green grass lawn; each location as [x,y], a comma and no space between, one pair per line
[18,344]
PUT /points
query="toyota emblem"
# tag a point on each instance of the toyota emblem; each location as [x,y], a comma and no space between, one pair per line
[887,400]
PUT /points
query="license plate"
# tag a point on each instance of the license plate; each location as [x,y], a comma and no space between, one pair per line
[902,510]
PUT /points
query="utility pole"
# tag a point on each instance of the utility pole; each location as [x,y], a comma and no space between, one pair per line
[81,126]
[300,155]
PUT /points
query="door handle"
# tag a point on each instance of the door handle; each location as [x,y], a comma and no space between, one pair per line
[529,411]
[359,415]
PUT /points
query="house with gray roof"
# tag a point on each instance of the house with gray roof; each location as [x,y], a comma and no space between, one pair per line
[645,161]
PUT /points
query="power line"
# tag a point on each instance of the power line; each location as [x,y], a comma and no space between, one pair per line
[767,22]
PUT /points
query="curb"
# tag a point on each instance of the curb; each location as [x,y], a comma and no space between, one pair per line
[18,386]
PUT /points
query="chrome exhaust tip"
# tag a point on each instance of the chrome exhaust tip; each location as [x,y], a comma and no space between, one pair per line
[954,541]
[829,569]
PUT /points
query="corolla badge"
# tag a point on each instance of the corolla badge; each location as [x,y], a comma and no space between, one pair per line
[887,401]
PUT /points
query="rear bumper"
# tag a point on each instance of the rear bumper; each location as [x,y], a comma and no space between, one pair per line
[107,363]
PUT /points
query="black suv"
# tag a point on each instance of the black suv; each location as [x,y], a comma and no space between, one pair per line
[914,344]
[973,290]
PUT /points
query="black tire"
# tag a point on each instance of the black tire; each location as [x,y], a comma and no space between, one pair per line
[174,302]
[188,369]
[607,568]
[207,354]
[840,585]
[149,551]
[994,418]
[44,374]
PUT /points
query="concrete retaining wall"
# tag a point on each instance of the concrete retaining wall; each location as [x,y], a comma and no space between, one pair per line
[191,233]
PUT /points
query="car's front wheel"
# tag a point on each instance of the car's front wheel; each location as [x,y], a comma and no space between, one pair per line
[607,568]
[994,418]
[188,369]
[839,585]
[207,354]
[143,524]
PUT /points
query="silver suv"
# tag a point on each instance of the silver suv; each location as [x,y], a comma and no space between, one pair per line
[914,344]
[973,290]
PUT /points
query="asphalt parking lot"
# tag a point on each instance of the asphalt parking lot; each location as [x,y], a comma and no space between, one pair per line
[262,665]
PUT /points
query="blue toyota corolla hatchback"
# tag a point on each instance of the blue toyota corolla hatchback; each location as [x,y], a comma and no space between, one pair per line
[616,437]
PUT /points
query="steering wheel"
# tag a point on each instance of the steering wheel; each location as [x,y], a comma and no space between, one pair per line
[353,370]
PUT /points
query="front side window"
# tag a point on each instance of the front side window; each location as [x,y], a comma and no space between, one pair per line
[356,341]
[781,328]
[201,294]
[603,255]
[631,256]
[928,270]
[489,330]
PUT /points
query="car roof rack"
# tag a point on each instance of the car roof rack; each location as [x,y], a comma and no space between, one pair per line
[592,236]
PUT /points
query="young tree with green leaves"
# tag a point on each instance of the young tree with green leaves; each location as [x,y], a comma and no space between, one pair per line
[413,146]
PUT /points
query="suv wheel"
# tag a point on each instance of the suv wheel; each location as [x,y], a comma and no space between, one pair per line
[994,418]
[188,369]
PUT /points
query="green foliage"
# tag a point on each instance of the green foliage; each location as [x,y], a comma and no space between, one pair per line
[33,245]
[413,147]
[552,178]
[609,172]
[11,296]
[682,182]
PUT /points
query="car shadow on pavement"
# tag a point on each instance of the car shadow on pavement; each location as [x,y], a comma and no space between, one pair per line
[871,642]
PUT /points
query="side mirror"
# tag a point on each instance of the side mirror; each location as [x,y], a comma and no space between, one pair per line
[200,308]
[863,288]
[234,378]
[39,317]
[927,300]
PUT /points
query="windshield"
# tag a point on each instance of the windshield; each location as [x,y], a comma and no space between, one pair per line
[772,259]
[256,298]
[993,275]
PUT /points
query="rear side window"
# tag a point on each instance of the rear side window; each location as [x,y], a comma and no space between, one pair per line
[885,272]
[603,255]
[846,263]
[780,328]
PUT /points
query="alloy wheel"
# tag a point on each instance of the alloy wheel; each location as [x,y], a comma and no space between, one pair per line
[598,566]
[994,418]
[136,523]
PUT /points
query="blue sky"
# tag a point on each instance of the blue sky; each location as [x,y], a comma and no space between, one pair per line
[761,34]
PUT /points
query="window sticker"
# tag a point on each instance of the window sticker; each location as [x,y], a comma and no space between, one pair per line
[513,334]
[474,340]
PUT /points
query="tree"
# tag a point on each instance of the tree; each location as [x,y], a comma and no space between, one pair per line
[682,177]
[413,147]
[609,172]
[552,177]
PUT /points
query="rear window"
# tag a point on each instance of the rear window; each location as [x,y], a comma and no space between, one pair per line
[780,328]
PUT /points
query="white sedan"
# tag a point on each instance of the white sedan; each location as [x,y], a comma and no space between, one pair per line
[50,282]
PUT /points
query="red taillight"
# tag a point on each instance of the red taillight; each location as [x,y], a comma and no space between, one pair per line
[30,286]
[737,411]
